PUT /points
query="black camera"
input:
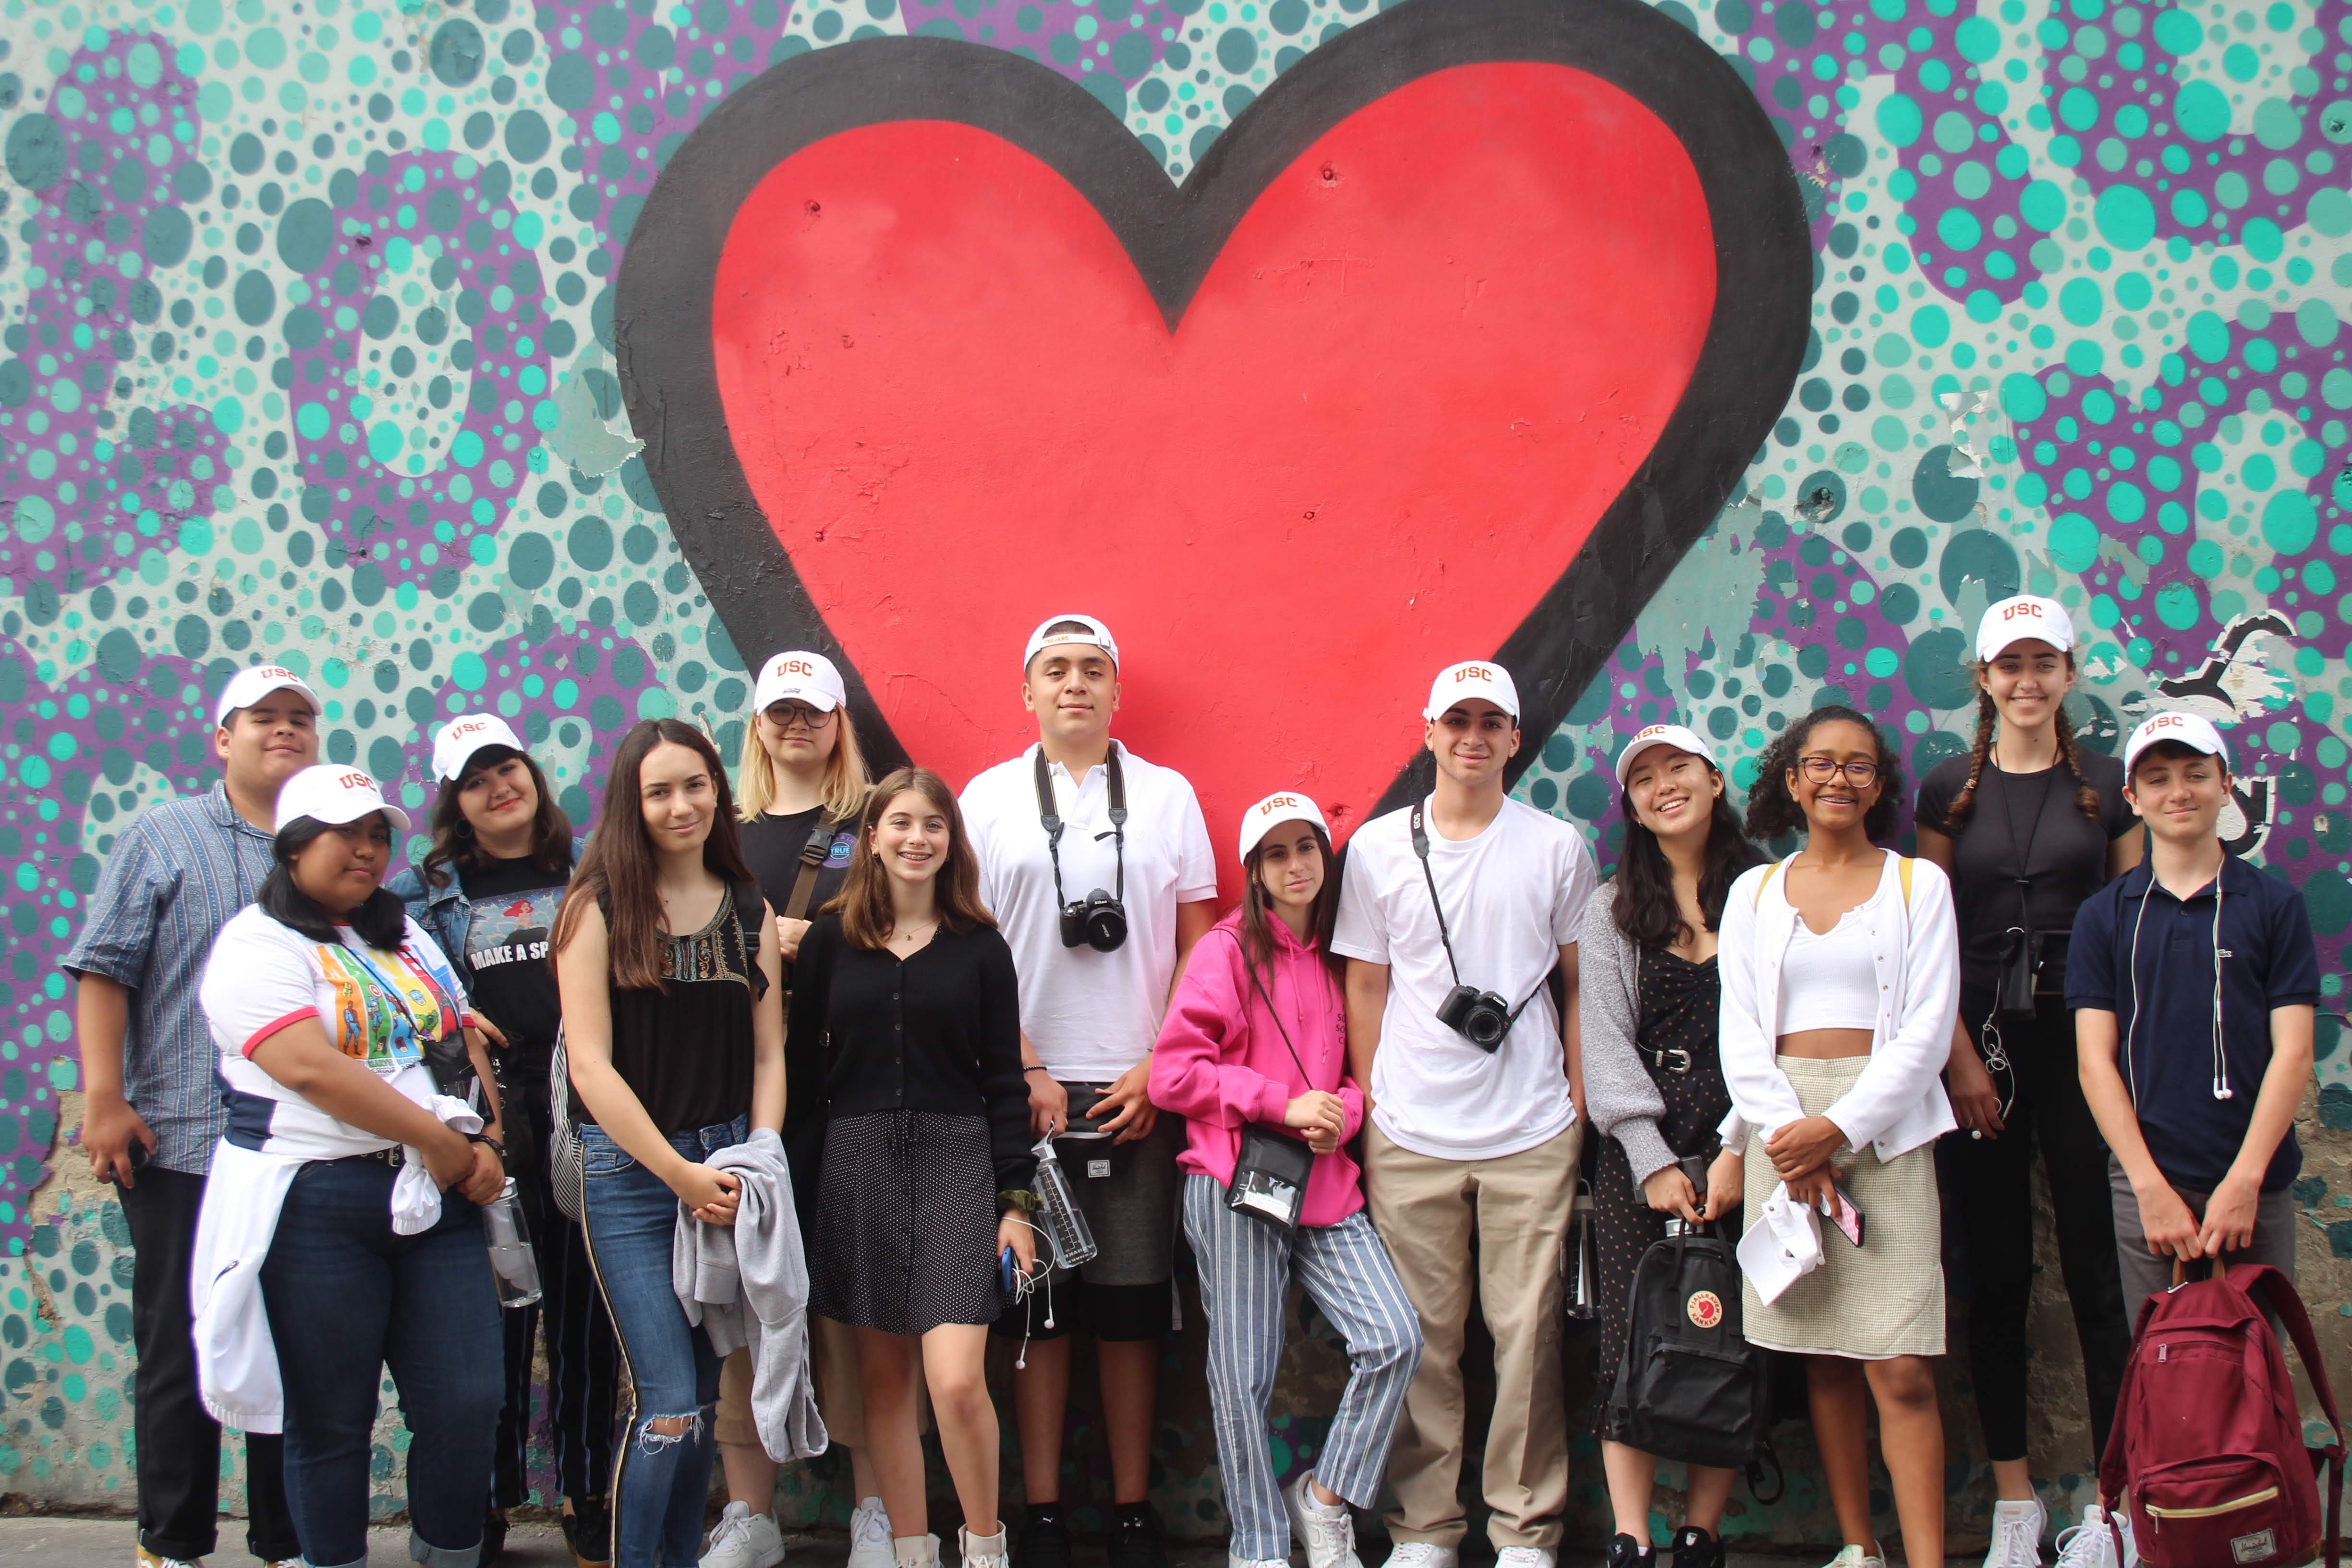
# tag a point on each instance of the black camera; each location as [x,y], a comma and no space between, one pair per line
[1480,1017]
[1097,920]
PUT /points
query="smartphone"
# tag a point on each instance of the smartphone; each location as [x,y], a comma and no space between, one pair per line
[1841,1211]
[1007,1269]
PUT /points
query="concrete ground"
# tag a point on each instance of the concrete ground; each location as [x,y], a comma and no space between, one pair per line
[37,1542]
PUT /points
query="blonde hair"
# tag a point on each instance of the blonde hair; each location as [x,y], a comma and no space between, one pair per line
[842,792]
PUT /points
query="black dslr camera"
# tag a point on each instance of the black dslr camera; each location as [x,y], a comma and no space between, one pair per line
[1097,920]
[1480,1017]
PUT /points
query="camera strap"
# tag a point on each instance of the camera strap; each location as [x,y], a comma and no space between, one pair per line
[1052,822]
[2024,874]
[1421,852]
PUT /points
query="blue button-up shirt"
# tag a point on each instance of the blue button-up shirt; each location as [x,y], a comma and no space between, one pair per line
[2148,958]
[176,875]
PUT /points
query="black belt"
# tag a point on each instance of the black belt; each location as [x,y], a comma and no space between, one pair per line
[395,1157]
[1660,1059]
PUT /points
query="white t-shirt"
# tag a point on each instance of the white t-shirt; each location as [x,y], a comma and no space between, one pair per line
[378,1007]
[1091,1015]
[1514,896]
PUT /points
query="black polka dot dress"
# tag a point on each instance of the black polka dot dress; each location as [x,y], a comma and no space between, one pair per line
[905,1230]
[1678,1003]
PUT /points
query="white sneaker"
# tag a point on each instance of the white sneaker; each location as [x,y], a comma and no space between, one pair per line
[1526,1557]
[743,1539]
[869,1536]
[983,1551]
[1855,1557]
[2017,1534]
[1328,1531]
[1422,1555]
[2090,1544]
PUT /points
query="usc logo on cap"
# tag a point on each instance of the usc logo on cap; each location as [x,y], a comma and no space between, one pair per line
[2166,721]
[2027,608]
[1651,732]
[792,667]
[469,727]
[1474,672]
[275,672]
[1278,803]
[353,781]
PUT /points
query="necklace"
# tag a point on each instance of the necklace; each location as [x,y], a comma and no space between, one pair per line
[915,935]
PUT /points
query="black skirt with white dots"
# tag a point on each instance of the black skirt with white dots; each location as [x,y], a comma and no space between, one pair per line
[904,1237]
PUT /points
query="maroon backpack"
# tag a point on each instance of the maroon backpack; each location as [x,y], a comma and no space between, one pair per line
[2207,1441]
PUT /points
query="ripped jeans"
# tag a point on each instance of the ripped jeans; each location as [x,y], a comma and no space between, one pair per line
[660,1479]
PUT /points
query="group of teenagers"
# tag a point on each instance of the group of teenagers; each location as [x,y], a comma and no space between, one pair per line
[860,1013]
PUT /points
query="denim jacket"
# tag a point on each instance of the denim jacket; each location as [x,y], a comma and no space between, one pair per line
[444,911]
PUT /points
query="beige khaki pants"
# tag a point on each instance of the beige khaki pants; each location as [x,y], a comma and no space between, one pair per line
[1426,1211]
[840,1398]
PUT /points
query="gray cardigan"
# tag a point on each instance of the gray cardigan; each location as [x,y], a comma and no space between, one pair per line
[1619,1096]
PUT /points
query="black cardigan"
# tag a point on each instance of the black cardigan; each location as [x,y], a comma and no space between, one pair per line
[939,1032]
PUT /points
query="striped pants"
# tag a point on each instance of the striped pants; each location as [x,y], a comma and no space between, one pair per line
[1245,1272]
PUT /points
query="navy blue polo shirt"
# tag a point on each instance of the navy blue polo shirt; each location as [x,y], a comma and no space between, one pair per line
[2269,961]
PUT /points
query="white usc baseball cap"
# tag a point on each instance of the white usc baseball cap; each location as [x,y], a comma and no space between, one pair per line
[797,676]
[247,687]
[2023,617]
[1283,806]
[2188,728]
[1096,633]
[1473,678]
[1680,737]
[334,794]
[461,737]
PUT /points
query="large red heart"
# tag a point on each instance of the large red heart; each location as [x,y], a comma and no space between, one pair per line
[1444,350]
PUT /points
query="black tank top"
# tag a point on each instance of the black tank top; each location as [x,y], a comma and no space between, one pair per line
[686,1050]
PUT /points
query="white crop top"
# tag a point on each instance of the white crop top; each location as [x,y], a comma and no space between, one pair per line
[1829,982]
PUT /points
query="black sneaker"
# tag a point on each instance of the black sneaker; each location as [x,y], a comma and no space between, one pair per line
[1624,1552]
[1695,1548]
[588,1531]
[494,1538]
[1046,1544]
[1138,1540]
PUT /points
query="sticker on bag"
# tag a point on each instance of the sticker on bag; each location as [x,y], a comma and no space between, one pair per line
[2259,1547]
[1704,1309]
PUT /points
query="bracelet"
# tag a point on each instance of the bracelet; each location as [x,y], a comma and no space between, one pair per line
[1018,1199]
[495,1147]
[1026,1071]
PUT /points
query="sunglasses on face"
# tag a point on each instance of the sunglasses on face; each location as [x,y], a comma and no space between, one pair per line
[1820,770]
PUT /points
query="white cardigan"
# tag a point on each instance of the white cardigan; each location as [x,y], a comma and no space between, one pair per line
[1898,1102]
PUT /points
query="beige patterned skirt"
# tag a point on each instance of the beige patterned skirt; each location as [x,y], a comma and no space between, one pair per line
[1880,1300]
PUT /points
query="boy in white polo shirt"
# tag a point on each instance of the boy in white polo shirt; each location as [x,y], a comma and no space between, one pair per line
[1098,869]
[1454,914]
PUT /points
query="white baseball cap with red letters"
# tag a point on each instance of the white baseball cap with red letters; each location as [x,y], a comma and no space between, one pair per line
[2020,618]
[247,687]
[1283,806]
[798,676]
[334,794]
[1473,678]
[461,737]
[2190,730]
[1682,738]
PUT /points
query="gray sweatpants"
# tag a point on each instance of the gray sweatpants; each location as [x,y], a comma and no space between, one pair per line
[1245,1272]
[2145,1273]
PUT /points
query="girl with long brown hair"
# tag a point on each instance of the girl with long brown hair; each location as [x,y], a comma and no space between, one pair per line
[905,1051]
[667,962]
[2028,824]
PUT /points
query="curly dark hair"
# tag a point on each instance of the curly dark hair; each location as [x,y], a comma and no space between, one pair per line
[1773,811]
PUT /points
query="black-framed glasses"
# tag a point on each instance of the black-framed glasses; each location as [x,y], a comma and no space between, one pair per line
[784,715]
[1820,770]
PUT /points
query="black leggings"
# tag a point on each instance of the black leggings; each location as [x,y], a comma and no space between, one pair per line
[1993,1194]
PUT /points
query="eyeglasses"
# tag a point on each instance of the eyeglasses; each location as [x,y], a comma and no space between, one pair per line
[1820,770]
[784,715]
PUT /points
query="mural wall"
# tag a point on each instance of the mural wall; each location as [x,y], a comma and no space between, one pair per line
[1705,363]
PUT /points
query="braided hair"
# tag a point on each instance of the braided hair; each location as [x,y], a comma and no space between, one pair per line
[1964,803]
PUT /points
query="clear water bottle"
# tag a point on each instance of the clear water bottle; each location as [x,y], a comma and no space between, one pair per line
[1584,1283]
[513,1264]
[1065,1223]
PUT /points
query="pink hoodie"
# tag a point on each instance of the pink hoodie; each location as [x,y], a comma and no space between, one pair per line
[1221,1061]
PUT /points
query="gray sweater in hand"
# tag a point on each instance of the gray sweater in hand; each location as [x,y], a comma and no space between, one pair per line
[1619,1098]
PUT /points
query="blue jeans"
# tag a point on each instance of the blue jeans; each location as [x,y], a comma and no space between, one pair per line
[661,1483]
[347,1297]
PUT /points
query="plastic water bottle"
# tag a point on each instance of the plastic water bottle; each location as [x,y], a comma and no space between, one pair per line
[1065,1223]
[513,1264]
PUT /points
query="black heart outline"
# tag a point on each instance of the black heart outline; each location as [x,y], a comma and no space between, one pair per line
[1755,343]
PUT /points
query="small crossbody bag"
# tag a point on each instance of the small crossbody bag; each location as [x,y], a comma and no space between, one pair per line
[1270,1171]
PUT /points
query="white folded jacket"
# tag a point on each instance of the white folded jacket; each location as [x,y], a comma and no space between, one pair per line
[1782,1247]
